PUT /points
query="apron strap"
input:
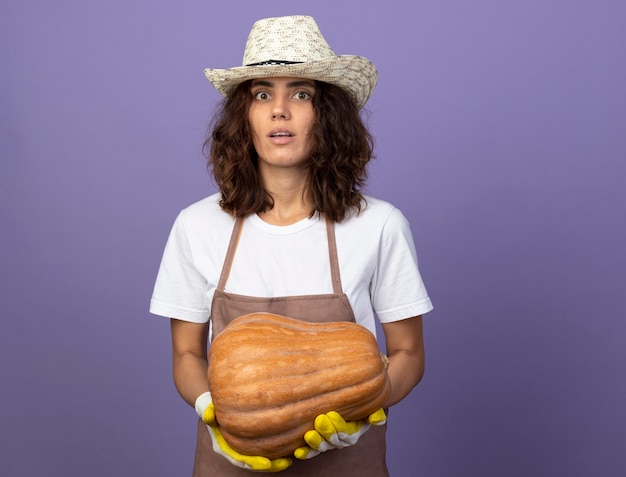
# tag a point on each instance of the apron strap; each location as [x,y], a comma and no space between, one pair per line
[334,260]
[332,251]
[230,253]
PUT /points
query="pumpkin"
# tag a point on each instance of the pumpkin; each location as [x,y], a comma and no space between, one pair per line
[270,376]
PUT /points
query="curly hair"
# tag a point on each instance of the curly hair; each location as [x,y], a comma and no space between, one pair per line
[342,148]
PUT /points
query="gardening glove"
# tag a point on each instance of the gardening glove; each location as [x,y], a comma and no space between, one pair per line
[206,410]
[333,432]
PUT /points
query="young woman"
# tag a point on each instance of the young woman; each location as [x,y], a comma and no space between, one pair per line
[291,233]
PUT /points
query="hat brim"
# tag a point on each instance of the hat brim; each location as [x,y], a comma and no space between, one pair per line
[355,74]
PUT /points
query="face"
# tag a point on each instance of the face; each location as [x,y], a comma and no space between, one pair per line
[281,117]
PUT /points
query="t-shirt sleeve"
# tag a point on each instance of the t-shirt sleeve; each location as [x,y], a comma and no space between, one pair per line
[398,291]
[180,289]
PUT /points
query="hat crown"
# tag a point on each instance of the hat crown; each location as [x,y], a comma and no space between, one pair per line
[291,39]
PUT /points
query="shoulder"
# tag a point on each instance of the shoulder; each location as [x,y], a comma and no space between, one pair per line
[202,222]
[209,206]
[205,212]
[379,208]
[375,214]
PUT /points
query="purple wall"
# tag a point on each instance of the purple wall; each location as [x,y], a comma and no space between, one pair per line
[501,132]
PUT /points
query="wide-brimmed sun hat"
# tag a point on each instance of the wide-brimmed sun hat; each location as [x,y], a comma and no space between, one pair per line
[293,46]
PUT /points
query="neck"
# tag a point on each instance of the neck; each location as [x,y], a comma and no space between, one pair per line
[284,216]
[291,201]
[288,209]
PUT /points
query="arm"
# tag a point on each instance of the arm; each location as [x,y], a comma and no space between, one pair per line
[189,359]
[405,350]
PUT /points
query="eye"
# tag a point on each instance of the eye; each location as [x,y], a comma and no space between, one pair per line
[303,95]
[261,95]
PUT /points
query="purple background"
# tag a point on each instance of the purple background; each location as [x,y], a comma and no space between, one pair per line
[501,133]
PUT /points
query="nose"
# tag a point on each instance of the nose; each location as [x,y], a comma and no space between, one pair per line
[280,108]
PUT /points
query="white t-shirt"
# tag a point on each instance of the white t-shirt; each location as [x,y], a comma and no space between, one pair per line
[377,262]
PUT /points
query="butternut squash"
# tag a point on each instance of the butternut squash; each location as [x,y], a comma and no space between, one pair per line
[270,376]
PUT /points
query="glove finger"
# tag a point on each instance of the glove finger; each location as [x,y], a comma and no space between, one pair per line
[317,442]
[377,418]
[305,453]
[347,428]
[336,431]
[280,464]
[325,427]
[208,416]
[257,463]
[314,439]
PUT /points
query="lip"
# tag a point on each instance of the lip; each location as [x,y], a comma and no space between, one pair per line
[281,136]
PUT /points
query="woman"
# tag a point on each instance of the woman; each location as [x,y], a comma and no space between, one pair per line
[289,154]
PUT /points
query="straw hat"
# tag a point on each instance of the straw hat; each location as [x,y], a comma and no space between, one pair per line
[293,46]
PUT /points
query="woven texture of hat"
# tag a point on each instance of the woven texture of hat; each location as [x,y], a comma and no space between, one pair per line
[286,39]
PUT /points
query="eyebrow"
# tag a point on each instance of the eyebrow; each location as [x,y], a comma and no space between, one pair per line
[291,84]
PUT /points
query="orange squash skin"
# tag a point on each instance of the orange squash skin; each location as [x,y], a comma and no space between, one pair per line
[270,376]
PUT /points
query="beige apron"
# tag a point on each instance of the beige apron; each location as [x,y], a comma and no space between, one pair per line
[367,457]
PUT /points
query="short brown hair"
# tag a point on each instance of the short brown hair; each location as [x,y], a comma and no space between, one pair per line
[342,147]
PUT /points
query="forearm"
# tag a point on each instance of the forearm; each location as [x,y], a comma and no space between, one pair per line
[189,359]
[405,372]
[190,377]
[405,350]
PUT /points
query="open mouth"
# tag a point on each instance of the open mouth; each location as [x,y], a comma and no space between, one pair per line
[281,134]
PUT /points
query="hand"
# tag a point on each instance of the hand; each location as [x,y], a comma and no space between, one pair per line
[206,411]
[333,432]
